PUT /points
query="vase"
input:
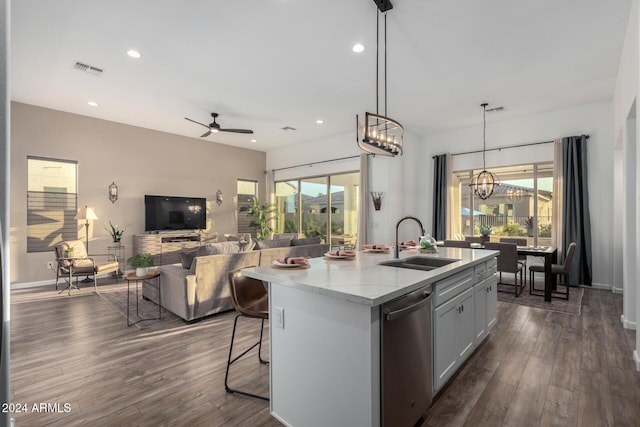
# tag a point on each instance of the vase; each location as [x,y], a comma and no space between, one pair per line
[116,244]
[142,271]
[377,205]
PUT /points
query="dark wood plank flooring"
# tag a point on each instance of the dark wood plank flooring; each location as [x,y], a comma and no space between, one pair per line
[537,368]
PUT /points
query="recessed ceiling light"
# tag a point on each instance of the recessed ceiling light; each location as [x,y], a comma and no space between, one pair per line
[253,140]
[319,121]
[358,47]
[134,53]
[92,103]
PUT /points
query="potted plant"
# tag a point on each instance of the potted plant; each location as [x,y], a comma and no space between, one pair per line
[376,196]
[115,231]
[141,261]
[485,232]
[263,214]
[529,223]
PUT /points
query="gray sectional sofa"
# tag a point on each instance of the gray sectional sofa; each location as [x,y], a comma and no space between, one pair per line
[199,287]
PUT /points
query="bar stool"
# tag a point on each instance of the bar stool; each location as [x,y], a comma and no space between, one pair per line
[457,244]
[250,299]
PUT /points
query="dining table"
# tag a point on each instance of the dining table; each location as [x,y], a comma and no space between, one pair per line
[550,255]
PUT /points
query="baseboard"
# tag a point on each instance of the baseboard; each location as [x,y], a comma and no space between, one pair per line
[627,324]
[636,358]
[600,286]
[27,285]
[617,290]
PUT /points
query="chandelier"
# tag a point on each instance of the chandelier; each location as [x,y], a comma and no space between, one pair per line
[380,134]
[485,183]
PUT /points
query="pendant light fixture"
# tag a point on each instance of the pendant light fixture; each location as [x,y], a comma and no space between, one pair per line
[485,183]
[380,134]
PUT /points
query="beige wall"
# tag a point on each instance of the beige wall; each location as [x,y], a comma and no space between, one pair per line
[140,161]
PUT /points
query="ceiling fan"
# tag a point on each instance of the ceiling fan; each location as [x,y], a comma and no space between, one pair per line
[214,127]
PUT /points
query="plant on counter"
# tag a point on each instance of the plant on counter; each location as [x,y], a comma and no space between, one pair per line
[115,231]
[262,215]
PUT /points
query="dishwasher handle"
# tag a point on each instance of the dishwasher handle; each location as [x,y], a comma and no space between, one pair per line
[396,314]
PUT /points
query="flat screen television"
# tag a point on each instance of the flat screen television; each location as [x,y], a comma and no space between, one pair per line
[166,213]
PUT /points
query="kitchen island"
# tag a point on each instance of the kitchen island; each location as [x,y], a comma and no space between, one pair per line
[326,321]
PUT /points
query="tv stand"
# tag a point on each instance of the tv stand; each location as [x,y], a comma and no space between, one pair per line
[166,247]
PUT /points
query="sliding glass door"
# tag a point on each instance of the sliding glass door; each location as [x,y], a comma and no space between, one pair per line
[324,206]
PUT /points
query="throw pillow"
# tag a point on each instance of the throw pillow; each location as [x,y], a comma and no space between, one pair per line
[306,241]
[186,258]
[268,244]
[219,248]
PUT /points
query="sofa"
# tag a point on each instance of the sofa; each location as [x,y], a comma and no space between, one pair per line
[198,286]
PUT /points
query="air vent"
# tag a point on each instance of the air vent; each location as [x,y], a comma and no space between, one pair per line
[492,110]
[288,128]
[88,69]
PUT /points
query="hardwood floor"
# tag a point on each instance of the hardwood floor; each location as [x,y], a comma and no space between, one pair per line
[537,368]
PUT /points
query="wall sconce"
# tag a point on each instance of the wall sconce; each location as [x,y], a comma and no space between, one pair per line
[113,192]
[219,197]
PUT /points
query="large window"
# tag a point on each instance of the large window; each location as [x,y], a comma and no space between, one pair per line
[520,207]
[51,203]
[325,206]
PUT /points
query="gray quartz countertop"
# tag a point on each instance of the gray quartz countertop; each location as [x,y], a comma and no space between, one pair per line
[361,280]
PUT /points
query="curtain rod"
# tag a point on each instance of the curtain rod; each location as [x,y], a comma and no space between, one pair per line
[505,147]
[315,163]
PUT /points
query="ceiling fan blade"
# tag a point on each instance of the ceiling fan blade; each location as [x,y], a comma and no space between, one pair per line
[201,124]
[236,130]
[207,133]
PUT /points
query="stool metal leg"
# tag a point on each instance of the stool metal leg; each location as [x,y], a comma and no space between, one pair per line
[230,361]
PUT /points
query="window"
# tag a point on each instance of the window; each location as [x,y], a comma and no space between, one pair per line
[51,203]
[520,207]
[325,206]
[247,190]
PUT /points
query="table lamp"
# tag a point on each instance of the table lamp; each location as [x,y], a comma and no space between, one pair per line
[86,214]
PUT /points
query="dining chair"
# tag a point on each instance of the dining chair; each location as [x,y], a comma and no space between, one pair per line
[508,263]
[521,258]
[474,239]
[457,243]
[250,298]
[557,269]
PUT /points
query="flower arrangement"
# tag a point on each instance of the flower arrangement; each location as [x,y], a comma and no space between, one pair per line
[376,196]
[115,231]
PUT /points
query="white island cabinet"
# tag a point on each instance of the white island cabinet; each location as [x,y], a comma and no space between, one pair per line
[325,330]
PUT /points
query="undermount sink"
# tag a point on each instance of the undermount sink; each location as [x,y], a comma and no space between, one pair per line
[418,263]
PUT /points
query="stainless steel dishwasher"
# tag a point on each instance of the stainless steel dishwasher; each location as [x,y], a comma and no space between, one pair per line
[406,358]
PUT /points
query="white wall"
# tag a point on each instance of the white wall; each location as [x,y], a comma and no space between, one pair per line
[399,178]
[592,119]
[628,127]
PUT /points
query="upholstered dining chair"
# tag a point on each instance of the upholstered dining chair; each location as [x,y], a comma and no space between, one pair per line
[508,263]
[73,261]
[557,269]
[521,258]
[250,299]
[474,239]
[457,243]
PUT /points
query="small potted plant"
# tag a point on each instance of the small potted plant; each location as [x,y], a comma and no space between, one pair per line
[485,232]
[116,232]
[141,261]
[68,252]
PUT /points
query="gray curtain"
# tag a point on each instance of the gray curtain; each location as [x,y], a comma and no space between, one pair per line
[576,221]
[439,226]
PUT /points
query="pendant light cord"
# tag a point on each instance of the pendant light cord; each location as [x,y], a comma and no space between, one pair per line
[484,135]
[377,61]
[385,64]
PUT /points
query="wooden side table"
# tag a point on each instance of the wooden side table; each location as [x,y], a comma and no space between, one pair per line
[131,277]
